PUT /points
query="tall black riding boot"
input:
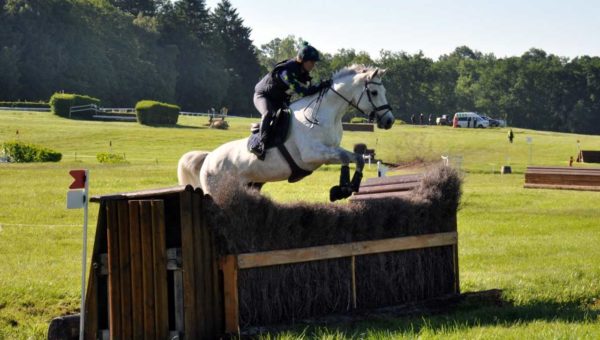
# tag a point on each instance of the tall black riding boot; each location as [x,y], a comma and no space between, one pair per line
[265,126]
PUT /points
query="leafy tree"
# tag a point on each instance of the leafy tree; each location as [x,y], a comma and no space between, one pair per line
[408,82]
[135,7]
[278,50]
[9,72]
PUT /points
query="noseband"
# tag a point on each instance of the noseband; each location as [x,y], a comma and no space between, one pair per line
[376,109]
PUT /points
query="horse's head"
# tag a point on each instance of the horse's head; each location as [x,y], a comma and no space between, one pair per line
[372,100]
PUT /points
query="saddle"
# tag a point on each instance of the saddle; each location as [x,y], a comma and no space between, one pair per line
[278,134]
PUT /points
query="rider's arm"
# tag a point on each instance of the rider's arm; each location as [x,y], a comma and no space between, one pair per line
[303,89]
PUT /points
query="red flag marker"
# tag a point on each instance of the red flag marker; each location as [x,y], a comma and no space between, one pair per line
[79,176]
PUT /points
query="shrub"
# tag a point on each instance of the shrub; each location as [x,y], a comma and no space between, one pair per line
[110,158]
[151,112]
[25,104]
[61,104]
[358,120]
[24,153]
[399,121]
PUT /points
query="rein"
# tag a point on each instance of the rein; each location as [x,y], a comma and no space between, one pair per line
[376,109]
[314,120]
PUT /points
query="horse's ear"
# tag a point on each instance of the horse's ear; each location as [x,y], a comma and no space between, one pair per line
[376,73]
[382,72]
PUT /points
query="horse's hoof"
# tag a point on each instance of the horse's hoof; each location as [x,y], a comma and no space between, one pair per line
[337,193]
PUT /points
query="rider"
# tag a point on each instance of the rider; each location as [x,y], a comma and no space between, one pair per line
[274,90]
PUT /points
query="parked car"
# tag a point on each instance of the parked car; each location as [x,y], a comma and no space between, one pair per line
[493,122]
[469,119]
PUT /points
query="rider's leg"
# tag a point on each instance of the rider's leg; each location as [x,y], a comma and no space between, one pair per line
[266,110]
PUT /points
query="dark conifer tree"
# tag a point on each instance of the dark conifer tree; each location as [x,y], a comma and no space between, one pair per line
[239,56]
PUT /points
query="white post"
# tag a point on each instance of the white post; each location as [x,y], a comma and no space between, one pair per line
[84,256]
[77,198]
[381,169]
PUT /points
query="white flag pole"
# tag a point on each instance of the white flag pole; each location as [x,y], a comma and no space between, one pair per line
[84,255]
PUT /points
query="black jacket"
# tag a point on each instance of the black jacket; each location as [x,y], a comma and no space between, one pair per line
[287,77]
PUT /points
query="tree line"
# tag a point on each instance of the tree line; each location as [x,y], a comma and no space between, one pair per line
[122,51]
[536,90]
[181,52]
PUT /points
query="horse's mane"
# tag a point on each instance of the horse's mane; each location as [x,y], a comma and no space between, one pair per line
[352,70]
[341,73]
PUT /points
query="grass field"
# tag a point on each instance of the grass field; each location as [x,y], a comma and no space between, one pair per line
[541,247]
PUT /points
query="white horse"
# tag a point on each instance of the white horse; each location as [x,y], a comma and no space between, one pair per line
[313,139]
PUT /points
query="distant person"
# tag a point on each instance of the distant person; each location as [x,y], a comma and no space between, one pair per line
[430,119]
[511,135]
[421,119]
[412,119]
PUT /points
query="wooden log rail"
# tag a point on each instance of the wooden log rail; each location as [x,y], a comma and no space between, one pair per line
[537,177]
[367,127]
[386,187]
[231,264]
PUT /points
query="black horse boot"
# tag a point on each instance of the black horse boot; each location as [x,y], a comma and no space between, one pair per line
[344,190]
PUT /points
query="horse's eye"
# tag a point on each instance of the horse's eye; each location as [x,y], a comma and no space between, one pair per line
[374,93]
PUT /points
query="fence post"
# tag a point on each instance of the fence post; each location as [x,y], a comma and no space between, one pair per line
[229,267]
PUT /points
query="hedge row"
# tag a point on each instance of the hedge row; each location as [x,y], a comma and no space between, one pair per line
[151,112]
[20,152]
[25,104]
[61,104]
[110,158]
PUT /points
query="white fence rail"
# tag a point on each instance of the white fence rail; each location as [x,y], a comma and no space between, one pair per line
[36,109]
[109,110]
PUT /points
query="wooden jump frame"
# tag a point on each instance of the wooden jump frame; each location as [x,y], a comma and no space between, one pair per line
[155,271]
[231,264]
[567,178]
[589,156]
[366,127]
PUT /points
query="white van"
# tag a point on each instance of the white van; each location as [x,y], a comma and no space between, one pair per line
[469,120]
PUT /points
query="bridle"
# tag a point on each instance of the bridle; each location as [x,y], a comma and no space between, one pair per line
[376,109]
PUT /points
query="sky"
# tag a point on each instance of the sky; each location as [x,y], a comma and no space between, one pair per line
[505,28]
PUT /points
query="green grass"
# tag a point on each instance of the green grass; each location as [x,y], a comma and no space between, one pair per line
[541,247]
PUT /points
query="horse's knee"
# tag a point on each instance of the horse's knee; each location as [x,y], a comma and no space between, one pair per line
[360,161]
[344,158]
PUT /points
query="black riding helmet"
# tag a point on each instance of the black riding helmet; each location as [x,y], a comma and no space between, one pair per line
[308,53]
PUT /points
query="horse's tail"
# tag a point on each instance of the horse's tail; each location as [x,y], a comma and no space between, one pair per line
[188,168]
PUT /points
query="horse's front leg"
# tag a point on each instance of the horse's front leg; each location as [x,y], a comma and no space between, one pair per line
[347,186]
[337,155]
